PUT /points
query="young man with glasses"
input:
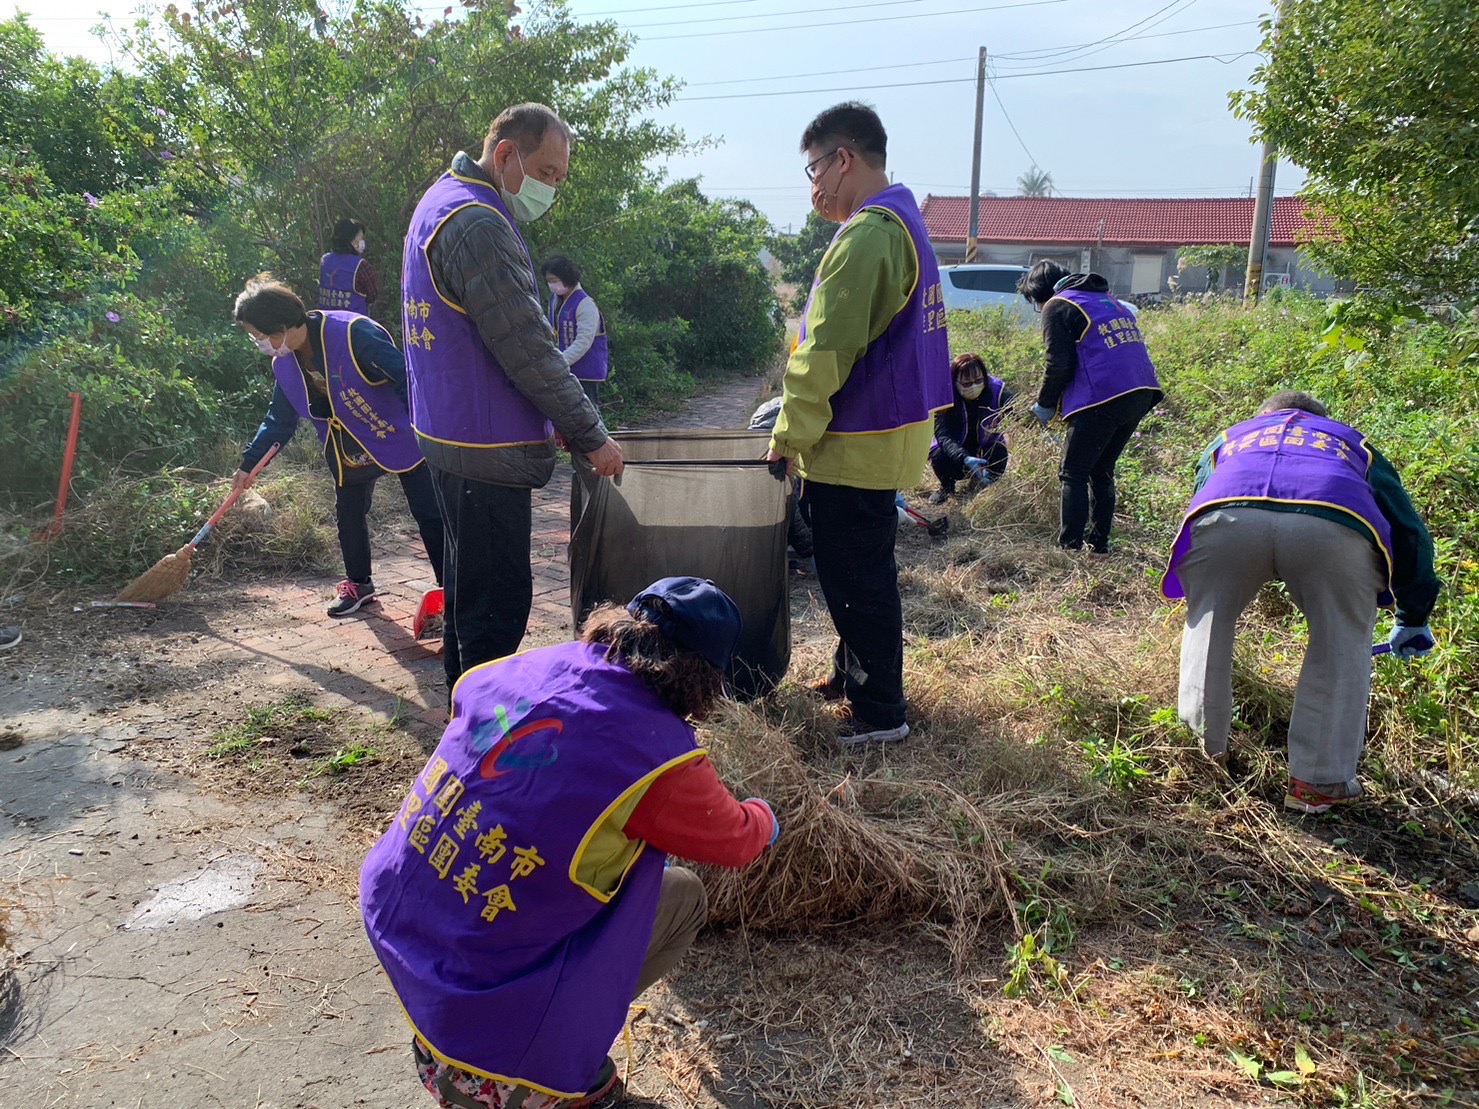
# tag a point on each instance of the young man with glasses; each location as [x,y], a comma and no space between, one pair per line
[869,371]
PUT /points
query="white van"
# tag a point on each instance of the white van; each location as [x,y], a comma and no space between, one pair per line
[984,285]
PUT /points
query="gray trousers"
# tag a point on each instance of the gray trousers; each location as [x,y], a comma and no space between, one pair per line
[1333,573]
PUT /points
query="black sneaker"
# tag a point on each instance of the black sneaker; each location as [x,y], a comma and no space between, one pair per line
[10,636]
[854,732]
[940,496]
[352,595]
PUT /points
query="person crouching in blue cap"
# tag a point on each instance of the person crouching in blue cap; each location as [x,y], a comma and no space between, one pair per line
[519,900]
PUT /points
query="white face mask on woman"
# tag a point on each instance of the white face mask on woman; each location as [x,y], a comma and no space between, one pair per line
[971,392]
[558,288]
[266,347]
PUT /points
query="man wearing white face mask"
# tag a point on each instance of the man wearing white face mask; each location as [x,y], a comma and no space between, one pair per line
[488,384]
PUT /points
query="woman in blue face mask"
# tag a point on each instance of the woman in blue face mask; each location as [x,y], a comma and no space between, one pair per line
[341,372]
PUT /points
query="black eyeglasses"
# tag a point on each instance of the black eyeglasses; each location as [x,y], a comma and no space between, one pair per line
[811,168]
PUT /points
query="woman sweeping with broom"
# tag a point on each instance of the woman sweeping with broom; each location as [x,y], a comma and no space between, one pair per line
[341,371]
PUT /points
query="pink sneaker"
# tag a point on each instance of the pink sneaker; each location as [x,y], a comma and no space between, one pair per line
[352,595]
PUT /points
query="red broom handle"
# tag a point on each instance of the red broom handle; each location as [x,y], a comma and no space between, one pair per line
[231,498]
[68,457]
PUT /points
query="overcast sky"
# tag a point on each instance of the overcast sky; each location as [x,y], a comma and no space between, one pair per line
[1135,129]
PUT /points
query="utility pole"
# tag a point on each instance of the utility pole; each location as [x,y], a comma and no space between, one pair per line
[970,239]
[1258,241]
[1262,210]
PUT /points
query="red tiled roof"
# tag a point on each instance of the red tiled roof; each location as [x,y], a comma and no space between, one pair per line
[1127,221]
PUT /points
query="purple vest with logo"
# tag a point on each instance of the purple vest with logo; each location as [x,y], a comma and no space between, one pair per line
[336,289]
[594,364]
[1112,359]
[1290,457]
[368,412]
[904,375]
[459,393]
[988,431]
[505,963]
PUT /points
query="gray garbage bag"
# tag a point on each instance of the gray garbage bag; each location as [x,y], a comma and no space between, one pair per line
[695,502]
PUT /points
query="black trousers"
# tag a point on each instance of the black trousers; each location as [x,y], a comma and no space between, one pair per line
[1096,438]
[853,533]
[949,471]
[352,510]
[486,573]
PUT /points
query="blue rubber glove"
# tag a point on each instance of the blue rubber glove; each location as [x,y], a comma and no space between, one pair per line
[1044,414]
[980,474]
[775,833]
[1411,642]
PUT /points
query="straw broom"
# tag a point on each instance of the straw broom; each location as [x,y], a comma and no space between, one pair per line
[170,573]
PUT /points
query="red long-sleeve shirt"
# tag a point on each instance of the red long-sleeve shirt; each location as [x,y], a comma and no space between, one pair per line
[688,812]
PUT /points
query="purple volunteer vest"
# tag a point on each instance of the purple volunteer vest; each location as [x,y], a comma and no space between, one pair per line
[459,393]
[595,363]
[369,412]
[904,375]
[988,430]
[336,289]
[505,964]
[1112,359]
[1290,457]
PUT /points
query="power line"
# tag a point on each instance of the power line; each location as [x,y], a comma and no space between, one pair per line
[852,22]
[1004,115]
[774,15]
[951,61]
[1049,50]
[1224,59]
[824,73]
[668,8]
[1049,54]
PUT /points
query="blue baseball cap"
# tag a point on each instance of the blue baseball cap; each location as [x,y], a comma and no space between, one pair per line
[694,613]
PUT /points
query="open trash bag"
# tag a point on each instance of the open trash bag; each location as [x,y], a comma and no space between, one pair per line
[693,502]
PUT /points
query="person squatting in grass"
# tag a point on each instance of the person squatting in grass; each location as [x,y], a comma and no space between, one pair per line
[1294,496]
[342,372]
[580,329]
[488,384]
[1100,378]
[346,280]
[519,901]
[969,443]
[870,370]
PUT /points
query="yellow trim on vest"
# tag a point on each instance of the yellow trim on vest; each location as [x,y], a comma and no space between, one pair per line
[505,1079]
[334,421]
[1386,555]
[435,231]
[918,270]
[477,446]
[1088,320]
[1106,400]
[641,783]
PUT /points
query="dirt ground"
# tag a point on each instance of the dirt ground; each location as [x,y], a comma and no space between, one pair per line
[188,794]
[184,927]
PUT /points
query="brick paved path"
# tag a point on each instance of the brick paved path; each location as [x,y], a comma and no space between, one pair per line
[370,659]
